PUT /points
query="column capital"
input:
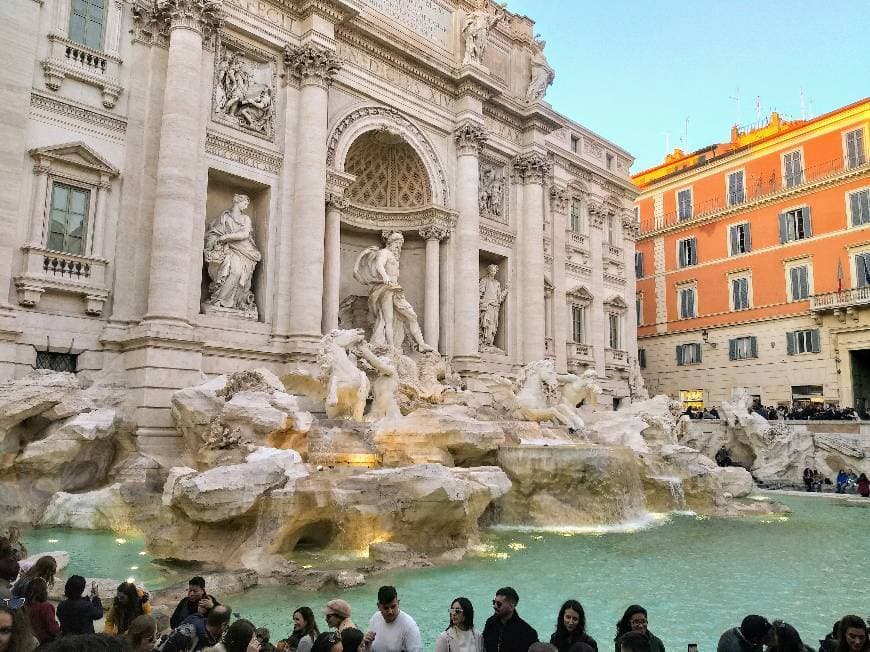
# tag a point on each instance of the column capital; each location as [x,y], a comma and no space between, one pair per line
[201,16]
[312,64]
[336,200]
[630,225]
[531,167]
[598,212]
[437,232]
[559,199]
[470,138]
[42,165]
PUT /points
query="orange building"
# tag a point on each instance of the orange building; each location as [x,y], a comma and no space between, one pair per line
[753,264]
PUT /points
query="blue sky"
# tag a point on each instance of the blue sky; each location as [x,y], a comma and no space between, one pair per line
[634,70]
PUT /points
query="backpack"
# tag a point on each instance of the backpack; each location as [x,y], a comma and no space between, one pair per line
[181,639]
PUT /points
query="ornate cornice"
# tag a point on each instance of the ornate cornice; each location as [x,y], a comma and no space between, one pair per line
[435,232]
[532,167]
[237,152]
[88,117]
[323,8]
[312,64]
[470,138]
[560,200]
[201,16]
[496,236]
[400,219]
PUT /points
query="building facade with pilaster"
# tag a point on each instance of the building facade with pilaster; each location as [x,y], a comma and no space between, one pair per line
[135,132]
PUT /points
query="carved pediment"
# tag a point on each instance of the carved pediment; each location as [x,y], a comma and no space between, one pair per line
[579,295]
[77,154]
[617,303]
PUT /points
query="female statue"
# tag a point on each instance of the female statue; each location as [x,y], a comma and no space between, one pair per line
[232,255]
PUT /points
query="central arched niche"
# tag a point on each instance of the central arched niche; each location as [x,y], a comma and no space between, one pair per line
[389,173]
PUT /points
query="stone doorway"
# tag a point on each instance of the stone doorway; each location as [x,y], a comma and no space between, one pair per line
[860,360]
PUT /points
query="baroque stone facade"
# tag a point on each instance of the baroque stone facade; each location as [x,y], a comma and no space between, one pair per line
[134,136]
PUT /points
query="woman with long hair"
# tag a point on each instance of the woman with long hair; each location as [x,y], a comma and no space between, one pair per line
[571,627]
[44,568]
[460,635]
[635,619]
[853,635]
[304,632]
[15,635]
[40,612]
[129,604]
[142,633]
[787,639]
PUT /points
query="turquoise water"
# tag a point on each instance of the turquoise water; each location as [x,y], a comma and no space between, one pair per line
[697,576]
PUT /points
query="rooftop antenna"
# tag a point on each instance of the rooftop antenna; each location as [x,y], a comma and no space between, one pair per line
[685,137]
[803,105]
[736,98]
[758,108]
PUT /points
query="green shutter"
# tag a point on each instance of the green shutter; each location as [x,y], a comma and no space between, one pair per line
[679,354]
[783,229]
[808,222]
[814,340]
[732,349]
[747,240]
[790,343]
[753,346]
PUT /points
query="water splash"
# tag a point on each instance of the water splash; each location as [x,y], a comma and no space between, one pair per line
[643,522]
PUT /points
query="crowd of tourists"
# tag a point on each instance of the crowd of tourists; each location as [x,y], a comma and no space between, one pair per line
[28,621]
[798,412]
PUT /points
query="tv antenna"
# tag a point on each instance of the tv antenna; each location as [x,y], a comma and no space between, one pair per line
[758,108]
[803,105]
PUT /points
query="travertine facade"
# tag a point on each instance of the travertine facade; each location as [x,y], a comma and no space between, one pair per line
[187,185]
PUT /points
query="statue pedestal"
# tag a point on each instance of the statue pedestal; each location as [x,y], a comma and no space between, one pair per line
[209,309]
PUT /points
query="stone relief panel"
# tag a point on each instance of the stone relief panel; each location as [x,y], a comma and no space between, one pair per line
[244,91]
[429,18]
[492,195]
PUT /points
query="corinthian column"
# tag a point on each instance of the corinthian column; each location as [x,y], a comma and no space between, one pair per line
[335,204]
[433,236]
[531,169]
[175,204]
[314,67]
[470,138]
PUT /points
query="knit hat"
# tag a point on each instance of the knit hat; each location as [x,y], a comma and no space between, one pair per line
[338,607]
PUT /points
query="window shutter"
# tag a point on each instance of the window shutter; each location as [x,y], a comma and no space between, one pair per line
[733,240]
[693,252]
[679,354]
[808,222]
[747,236]
[861,270]
[814,339]
[855,205]
[790,343]
[732,349]
[794,290]
[753,347]
[690,300]
[697,352]
[744,292]
[681,249]
[783,228]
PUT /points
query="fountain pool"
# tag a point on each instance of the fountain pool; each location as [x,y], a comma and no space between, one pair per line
[696,575]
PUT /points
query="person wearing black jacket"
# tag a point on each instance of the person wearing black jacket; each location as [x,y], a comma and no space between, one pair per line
[505,631]
[77,614]
[197,601]
[571,628]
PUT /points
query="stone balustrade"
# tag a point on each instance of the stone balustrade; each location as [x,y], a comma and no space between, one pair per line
[70,59]
[58,271]
[579,354]
[837,300]
[610,252]
[577,241]
[616,359]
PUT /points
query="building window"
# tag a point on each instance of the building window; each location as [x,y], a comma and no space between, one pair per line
[803,341]
[859,207]
[613,330]
[687,252]
[576,216]
[854,143]
[687,302]
[736,188]
[68,219]
[795,224]
[689,353]
[86,19]
[578,318]
[638,308]
[638,264]
[798,282]
[739,239]
[742,348]
[740,293]
[684,204]
[862,270]
[575,144]
[792,169]
[641,358]
[609,160]
[57,361]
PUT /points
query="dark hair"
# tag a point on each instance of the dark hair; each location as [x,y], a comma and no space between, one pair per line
[325,641]
[467,612]
[21,639]
[310,621]
[624,624]
[37,591]
[634,642]
[239,635]
[141,628]
[754,628]
[87,643]
[125,613]
[560,619]
[196,580]
[509,593]
[263,634]
[74,587]
[45,567]
[219,616]
[351,638]
[787,638]
[386,594]
[849,622]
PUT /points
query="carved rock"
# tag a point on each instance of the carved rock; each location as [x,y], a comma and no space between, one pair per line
[103,509]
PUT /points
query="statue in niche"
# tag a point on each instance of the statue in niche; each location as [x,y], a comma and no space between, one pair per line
[541,75]
[393,314]
[232,256]
[491,297]
[491,191]
[244,92]
[475,31]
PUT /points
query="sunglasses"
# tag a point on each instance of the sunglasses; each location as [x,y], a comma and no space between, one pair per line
[497,603]
[456,610]
[13,603]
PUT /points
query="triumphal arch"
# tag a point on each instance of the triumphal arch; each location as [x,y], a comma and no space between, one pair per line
[201,186]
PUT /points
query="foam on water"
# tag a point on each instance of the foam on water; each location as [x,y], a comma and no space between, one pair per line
[648,520]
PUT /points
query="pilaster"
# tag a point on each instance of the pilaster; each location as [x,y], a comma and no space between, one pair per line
[560,202]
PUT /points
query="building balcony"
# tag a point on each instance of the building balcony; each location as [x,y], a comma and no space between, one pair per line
[576,241]
[609,252]
[615,359]
[846,300]
[57,271]
[579,354]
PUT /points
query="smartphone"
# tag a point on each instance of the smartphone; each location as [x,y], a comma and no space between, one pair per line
[693,647]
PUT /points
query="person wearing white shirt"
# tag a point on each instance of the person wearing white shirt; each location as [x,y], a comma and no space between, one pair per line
[460,636]
[391,629]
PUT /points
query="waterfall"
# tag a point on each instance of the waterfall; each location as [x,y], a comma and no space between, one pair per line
[675,487]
